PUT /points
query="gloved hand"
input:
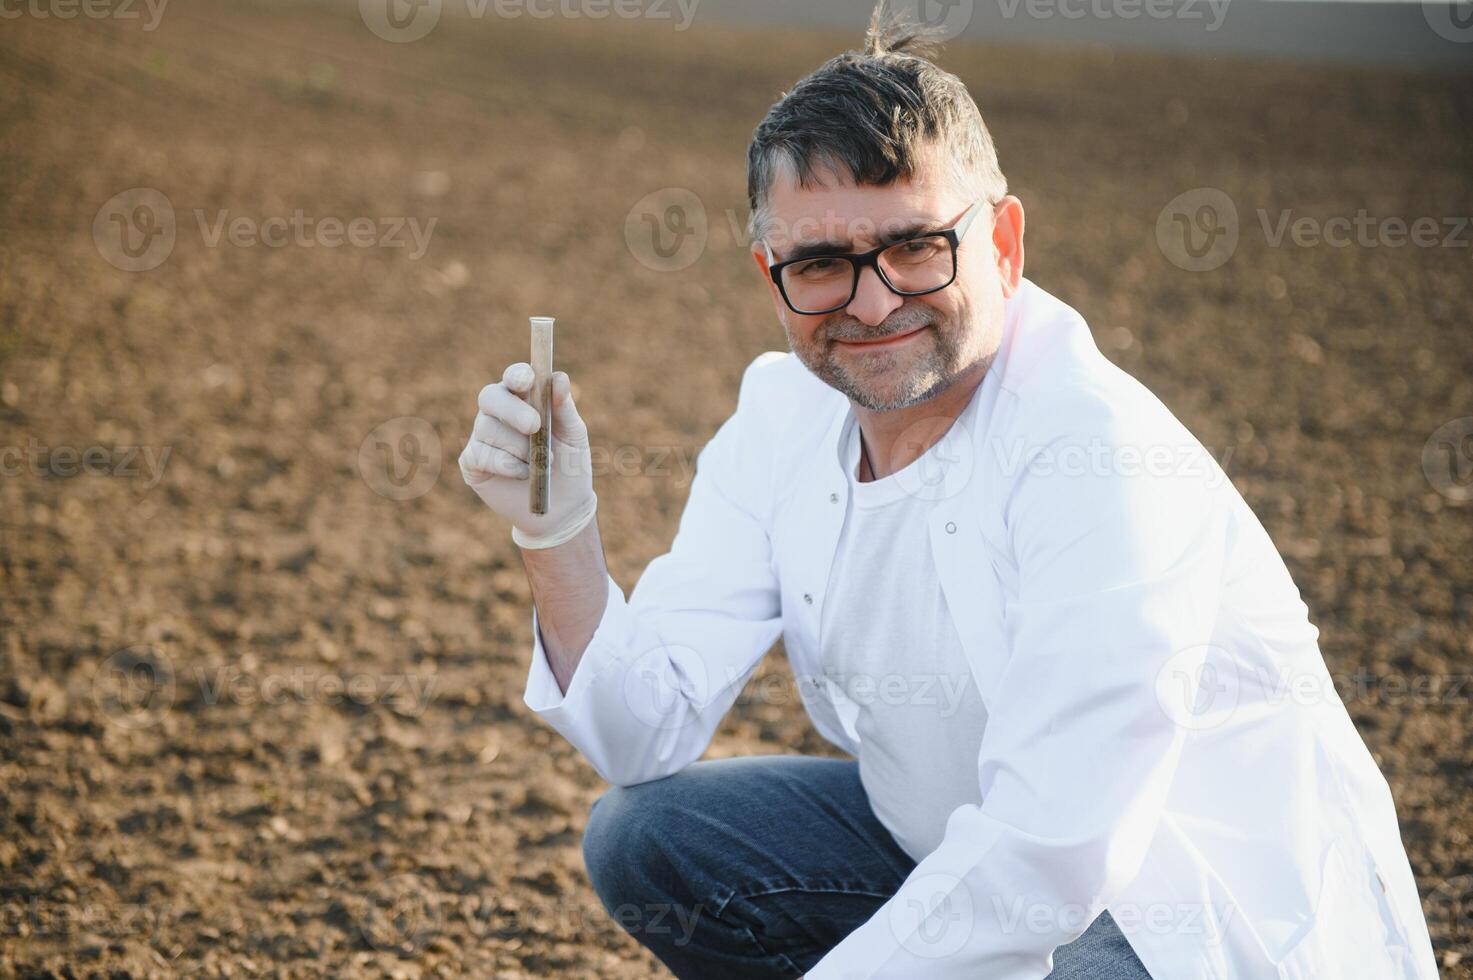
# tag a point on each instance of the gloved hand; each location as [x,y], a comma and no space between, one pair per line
[494,461]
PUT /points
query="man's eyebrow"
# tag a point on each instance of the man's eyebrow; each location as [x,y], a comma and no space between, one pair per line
[896,233]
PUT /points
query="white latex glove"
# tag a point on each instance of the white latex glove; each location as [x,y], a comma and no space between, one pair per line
[494,461]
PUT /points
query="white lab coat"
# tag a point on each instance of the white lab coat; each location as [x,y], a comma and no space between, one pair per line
[1163,737]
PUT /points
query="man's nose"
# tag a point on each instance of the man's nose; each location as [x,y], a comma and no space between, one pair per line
[873,300]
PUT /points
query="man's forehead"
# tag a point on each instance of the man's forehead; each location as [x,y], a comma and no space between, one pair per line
[833,209]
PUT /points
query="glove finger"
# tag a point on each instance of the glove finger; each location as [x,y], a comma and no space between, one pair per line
[480,462]
[497,401]
[497,434]
[567,425]
[518,377]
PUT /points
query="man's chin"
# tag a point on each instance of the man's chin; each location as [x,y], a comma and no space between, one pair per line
[887,398]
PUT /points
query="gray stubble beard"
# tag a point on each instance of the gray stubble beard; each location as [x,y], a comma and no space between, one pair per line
[932,370]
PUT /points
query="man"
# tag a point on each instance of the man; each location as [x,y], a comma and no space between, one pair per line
[1010,584]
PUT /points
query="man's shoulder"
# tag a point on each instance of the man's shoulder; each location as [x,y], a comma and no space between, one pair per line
[1056,382]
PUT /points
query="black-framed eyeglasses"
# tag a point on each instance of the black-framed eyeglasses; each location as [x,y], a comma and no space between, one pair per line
[914,266]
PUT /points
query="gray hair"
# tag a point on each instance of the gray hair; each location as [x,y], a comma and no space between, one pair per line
[873,116]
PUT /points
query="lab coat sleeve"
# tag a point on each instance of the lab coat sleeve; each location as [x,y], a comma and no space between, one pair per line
[663,667]
[1119,570]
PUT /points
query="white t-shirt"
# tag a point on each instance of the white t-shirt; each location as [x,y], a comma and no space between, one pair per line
[906,693]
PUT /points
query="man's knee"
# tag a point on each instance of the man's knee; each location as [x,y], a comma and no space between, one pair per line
[615,839]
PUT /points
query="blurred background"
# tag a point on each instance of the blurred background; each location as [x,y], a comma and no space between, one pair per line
[262,652]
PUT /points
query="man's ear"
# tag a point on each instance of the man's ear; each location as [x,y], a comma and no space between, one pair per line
[1007,242]
[759,255]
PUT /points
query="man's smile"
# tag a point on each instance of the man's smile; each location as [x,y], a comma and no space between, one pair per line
[885,343]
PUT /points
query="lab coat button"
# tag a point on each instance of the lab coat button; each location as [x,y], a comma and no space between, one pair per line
[833,498]
[808,598]
[950,527]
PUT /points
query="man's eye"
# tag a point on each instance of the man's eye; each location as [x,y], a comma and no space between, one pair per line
[815,268]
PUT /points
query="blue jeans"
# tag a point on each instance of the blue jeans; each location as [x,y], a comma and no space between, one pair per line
[757,866]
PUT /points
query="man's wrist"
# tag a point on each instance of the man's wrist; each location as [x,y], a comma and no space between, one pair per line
[566,533]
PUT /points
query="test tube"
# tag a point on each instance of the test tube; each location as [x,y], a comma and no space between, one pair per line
[539,457]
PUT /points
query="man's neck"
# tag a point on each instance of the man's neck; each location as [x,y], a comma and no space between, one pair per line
[893,440]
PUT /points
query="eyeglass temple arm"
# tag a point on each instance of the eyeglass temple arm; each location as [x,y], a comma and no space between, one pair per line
[968,218]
